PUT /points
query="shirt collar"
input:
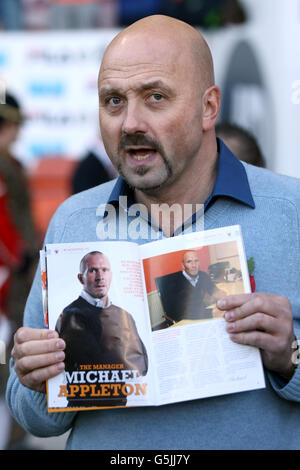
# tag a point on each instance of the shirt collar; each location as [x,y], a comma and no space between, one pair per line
[93,300]
[121,188]
[192,280]
[231,181]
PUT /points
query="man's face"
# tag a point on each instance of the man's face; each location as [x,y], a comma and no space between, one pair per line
[150,112]
[190,263]
[97,277]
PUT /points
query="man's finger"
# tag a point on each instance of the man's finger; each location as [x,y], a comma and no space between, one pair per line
[256,321]
[243,305]
[258,339]
[29,363]
[25,334]
[37,378]
[32,348]
[233,301]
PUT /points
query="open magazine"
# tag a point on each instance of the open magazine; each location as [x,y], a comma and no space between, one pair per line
[141,322]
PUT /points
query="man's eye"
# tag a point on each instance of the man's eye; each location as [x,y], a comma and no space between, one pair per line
[157,97]
[114,101]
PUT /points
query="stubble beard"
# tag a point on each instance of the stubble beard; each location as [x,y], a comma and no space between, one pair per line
[162,176]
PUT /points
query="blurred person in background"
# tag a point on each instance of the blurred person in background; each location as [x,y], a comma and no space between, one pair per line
[241,142]
[11,246]
[18,205]
[11,14]
[94,168]
[11,249]
[17,254]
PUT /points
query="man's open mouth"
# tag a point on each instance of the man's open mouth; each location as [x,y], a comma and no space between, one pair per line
[140,154]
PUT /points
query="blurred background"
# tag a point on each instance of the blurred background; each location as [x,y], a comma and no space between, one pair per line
[50,146]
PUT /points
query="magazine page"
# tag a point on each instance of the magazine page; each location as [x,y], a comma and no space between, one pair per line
[96,302]
[184,278]
[43,268]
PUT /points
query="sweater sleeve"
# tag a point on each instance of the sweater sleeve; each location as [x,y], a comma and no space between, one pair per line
[28,407]
[288,390]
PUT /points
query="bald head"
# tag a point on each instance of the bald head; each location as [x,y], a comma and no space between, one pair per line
[158,107]
[190,263]
[164,34]
[95,275]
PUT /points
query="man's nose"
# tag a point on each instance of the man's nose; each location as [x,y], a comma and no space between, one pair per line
[100,274]
[134,122]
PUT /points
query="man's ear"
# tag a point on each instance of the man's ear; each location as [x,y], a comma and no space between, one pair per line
[79,277]
[211,107]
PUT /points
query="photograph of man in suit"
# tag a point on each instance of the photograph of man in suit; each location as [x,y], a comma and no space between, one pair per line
[96,331]
[189,294]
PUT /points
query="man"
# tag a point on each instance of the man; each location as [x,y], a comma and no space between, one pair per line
[242,143]
[18,207]
[18,244]
[96,331]
[95,168]
[189,294]
[158,110]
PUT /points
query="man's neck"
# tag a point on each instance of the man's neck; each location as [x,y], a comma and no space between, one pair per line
[191,190]
[103,302]
[192,279]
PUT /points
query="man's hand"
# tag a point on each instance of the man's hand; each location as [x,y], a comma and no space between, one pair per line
[264,321]
[38,356]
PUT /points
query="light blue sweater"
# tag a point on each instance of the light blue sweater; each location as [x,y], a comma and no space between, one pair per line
[262,419]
